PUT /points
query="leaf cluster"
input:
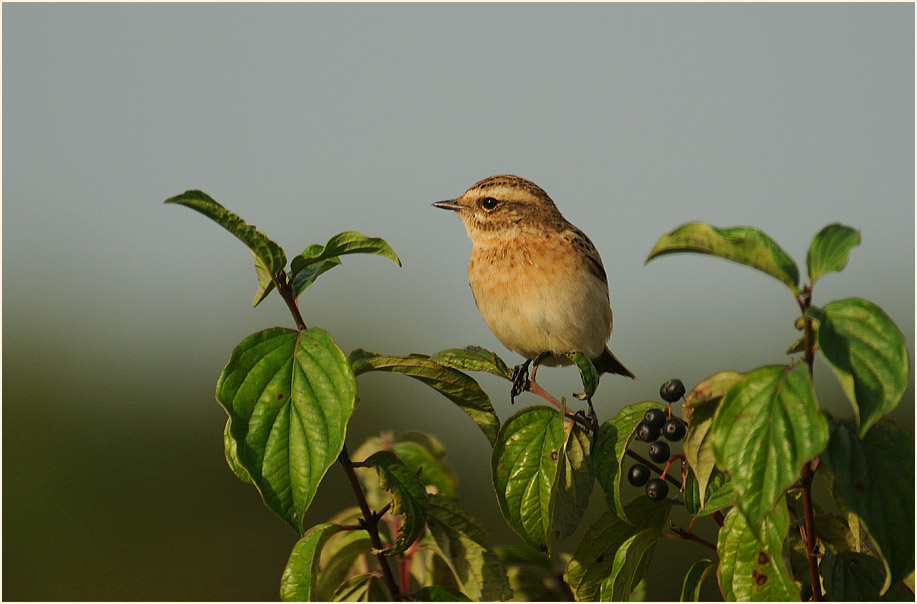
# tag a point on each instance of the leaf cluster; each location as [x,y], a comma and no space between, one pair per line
[753,443]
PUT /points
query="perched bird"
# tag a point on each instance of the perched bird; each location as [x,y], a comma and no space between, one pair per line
[538,281]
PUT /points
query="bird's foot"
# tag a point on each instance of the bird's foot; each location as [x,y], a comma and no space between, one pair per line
[520,380]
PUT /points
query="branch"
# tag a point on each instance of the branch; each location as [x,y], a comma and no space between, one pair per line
[285,289]
[370,524]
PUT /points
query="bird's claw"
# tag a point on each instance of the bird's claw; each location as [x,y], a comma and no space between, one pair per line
[520,379]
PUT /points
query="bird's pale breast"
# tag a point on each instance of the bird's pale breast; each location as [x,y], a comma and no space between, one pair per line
[537,295]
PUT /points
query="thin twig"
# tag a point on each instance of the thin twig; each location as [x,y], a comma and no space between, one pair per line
[681,533]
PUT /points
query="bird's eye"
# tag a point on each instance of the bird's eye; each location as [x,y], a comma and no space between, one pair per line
[489,203]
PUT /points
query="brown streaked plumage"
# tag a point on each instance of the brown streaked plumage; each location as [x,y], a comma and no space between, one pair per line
[538,281]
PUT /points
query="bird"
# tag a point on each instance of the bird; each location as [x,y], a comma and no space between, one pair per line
[538,281]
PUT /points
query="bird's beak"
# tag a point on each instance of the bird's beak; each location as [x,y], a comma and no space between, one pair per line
[449,204]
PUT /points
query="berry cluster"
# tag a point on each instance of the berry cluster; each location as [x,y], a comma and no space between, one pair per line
[658,423]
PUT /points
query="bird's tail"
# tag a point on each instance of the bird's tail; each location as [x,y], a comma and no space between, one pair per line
[608,363]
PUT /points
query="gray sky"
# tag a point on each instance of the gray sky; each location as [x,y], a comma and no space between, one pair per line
[308,120]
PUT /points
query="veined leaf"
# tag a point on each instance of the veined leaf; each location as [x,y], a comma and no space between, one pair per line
[472,358]
[316,259]
[751,568]
[745,245]
[269,254]
[629,565]
[702,403]
[867,352]
[767,426]
[694,578]
[409,498]
[301,573]
[830,250]
[230,450]
[345,553]
[427,464]
[610,448]
[289,396]
[463,545]
[574,482]
[362,588]
[595,555]
[876,481]
[852,577]
[453,384]
[526,456]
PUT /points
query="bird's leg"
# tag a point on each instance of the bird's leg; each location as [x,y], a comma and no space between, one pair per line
[520,380]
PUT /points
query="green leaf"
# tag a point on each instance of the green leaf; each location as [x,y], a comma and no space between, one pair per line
[574,482]
[700,406]
[289,396]
[437,593]
[301,573]
[463,545]
[271,256]
[852,577]
[876,481]
[526,456]
[629,565]
[691,493]
[751,568]
[614,436]
[745,245]
[362,588]
[317,259]
[232,456]
[694,578]
[453,384]
[472,358]
[767,426]
[595,555]
[867,352]
[720,494]
[587,372]
[427,464]
[409,498]
[265,280]
[830,250]
[341,554]
[531,575]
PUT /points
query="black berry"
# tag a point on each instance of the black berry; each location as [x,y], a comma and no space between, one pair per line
[647,433]
[638,475]
[672,390]
[660,452]
[657,489]
[674,429]
[654,418]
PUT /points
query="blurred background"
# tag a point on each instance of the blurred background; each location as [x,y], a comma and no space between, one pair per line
[308,120]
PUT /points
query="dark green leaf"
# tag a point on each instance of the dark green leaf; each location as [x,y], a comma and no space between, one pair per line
[629,565]
[830,250]
[429,466]
[526,456]
[751,567]
[610,448]
[701,405]
[409,498]
[867,352]
[301,573]
[587,372]
[472,358]
[694,578]
[574,482]
[852,577]
[876,481]
[691,494]
[595,555]
[720,494]
[316,259]
[265,280]
[270,255]
[362,588]
[453,384]
[437,593]
[767,426]
[232,456]
[745,245]
[464,545]
[289,396]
